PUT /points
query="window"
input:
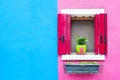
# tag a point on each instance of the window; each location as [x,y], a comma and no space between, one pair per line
[90,23]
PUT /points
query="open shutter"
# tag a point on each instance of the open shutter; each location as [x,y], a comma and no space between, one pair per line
[68,34]
[105,40]
[96,33]
[103,33]
[63,34]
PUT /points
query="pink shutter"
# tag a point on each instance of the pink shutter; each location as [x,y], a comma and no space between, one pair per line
[105,39]
[103,33]
[63,34]
[68,34]
[96,38]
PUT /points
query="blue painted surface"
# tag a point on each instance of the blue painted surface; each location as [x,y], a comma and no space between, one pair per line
[28,40]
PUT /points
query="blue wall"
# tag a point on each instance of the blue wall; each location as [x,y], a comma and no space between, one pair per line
[28,40]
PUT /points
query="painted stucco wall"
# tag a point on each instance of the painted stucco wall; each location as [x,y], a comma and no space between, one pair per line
[28,40]
[111,69]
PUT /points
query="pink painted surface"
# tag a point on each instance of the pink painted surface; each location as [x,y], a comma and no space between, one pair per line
[111,69]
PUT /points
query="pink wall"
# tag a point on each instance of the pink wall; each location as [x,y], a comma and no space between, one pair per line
[111,69]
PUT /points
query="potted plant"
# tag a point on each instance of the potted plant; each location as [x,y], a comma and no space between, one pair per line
[81,45]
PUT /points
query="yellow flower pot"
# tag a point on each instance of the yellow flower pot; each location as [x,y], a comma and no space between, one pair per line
[81,49]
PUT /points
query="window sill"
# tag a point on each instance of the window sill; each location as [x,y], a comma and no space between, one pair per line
[83,57]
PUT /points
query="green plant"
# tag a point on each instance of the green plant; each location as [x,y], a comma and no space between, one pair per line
[87,62]
[68,63]
[81,41]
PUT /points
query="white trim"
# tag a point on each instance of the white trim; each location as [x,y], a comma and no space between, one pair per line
[82,12]
[87,53]
[83,57]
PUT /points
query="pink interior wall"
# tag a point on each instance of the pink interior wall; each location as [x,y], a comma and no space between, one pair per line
[111,69]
